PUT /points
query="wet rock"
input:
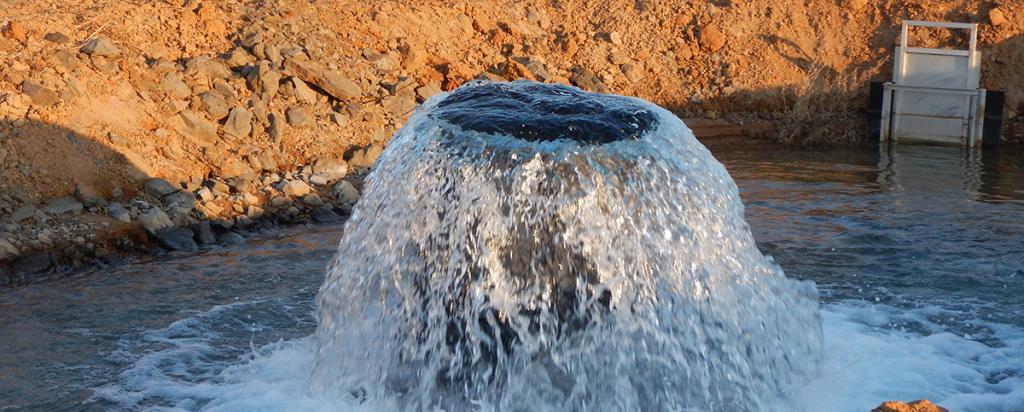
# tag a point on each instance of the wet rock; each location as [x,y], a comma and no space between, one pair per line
[204,233]
[230,238]
[22,213]
[333,83]
[177,239]
[159,188]
[711,39]
[297,117]
[295,188]
[40,95]
[63,205]
[175,86]
[155,220]
[214,105]
[101,46]
[324,215]
[345,193]
[16,31]
[118,212]
[7,250]
[922,405]
[239,123]
[312,200]
[56,37]
[198,128]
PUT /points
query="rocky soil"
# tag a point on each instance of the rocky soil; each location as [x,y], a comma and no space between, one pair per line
[178,124]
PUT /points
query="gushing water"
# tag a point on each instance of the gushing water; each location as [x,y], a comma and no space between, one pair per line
[534,247]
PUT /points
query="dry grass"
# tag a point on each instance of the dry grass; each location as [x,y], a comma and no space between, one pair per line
[827,109]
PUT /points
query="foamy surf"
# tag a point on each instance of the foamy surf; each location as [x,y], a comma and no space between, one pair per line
[868,359]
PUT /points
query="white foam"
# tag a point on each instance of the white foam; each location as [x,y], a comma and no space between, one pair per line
[866,362]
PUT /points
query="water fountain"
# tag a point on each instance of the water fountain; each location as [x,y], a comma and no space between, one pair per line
[522,246]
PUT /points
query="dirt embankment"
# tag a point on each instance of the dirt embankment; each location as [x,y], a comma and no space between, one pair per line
[243,97]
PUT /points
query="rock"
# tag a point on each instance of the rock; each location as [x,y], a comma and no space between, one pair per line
[175,86]
[214,105]
[345,193]
[303,92]
[197,127]
[400,105]
[333,83]
[587,80]
[295,188]
[63,205]
[297,117]
[101,46]
[239,123]
[267,161]
[155,220]
[922,405]
[856,5]
[312,200]
[428,90]
[116,211]
[7,250]
[265,81]
[205,194]
[230,238]
[177,239]
[711,39]
[204,233]
[213,69]
[615,38]
[24,212]
[180,201]
[254,212]
[239,57]
[159,188]
[40,95]
[633,72]
[996,17]
[56,37]
[217,187]
[16,31]
[324,215]
[276,129]
[235,168]
[88,196]
[331,169]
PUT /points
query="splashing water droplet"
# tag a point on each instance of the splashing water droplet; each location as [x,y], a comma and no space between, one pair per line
[523,244]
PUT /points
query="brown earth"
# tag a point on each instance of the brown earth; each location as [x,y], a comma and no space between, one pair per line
[98,96]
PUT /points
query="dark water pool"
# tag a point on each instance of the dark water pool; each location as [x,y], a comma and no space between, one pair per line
[918,252]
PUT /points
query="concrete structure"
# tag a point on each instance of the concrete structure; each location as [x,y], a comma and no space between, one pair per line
[934,95]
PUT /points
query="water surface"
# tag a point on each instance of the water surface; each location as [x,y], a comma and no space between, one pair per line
[917,253]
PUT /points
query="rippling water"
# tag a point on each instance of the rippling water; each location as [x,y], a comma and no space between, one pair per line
[917,254]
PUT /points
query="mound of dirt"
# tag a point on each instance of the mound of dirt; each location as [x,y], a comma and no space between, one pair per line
[105,94]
